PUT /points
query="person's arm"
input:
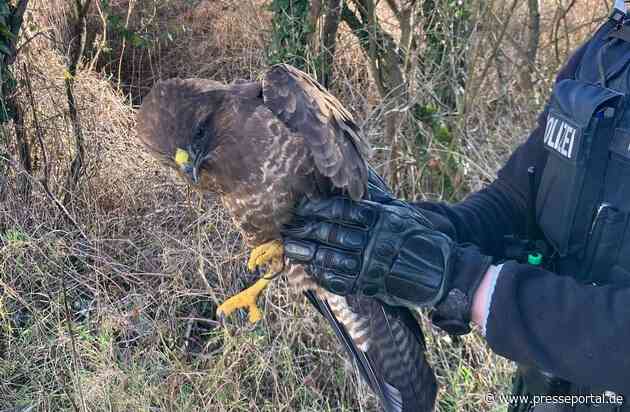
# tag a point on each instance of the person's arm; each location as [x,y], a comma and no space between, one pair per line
[575,331]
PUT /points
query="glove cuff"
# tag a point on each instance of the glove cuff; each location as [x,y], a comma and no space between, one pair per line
[452,314]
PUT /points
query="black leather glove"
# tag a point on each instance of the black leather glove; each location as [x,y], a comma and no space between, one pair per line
[389,251]
[380,193]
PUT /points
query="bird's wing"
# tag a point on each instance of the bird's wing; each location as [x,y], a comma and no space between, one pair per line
[334,140]
[385,343]
[397,349]
[394,363]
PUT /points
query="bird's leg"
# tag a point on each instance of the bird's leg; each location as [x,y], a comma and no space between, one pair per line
[270,254]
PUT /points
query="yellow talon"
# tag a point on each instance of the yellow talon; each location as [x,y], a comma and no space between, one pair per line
[270,253]
[246,300]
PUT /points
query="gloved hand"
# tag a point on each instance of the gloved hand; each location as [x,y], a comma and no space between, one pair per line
[380,193]
[389,251]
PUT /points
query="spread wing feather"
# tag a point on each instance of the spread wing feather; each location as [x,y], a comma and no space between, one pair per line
[397,350]
[334,140]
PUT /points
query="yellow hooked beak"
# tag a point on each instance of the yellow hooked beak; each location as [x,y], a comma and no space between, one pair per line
[182,159]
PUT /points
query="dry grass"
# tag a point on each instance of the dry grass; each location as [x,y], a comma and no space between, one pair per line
[123,318]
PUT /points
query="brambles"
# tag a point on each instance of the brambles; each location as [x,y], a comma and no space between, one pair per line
[143,283]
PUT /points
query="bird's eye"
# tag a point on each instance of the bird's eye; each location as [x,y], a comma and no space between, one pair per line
[187,169]
[197,142]
[201,139]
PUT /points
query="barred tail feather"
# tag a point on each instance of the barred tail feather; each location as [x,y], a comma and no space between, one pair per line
[385,343]
[356,326]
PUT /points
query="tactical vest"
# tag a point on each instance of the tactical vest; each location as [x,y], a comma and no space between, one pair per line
[583,200]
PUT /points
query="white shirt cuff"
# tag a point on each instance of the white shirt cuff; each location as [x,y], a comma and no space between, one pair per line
[620,5]
[494,273]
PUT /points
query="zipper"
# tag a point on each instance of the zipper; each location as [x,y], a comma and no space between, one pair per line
[598,213]
[589,235]
[593,239]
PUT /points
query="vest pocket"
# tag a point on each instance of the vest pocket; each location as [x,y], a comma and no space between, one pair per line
[579,124]
[619,276]
[604,243]
[559,190]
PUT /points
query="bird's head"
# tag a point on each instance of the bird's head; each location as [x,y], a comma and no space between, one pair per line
[176,124]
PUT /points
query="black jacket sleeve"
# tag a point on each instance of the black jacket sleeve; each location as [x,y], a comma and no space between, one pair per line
[576,331]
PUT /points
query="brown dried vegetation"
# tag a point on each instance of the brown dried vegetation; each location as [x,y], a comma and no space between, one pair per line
[107,303]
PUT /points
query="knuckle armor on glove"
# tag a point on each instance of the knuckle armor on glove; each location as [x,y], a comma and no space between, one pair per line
[389,251]
[386,251]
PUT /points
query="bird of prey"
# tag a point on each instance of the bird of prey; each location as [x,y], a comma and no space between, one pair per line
[262,146]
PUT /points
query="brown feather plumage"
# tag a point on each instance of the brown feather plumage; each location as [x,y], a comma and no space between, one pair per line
[172,104]
[265,145]
[335,141]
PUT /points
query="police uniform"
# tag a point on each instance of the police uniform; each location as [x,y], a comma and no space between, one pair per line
[567,322]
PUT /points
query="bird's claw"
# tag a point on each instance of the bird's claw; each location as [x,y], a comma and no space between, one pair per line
[245,300]
[270,252]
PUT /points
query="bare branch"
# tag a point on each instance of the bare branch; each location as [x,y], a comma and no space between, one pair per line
[394,8]
[475,87]
[38,130]
[76,50]
[533,40]
[50,195]
[329,39]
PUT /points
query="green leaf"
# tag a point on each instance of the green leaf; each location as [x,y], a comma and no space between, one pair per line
[115,21]
[10,84]
[6,31]
[136,41]
[4,116]
[4,9]
[4,49]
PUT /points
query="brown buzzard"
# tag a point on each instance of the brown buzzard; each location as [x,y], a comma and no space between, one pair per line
[262,146]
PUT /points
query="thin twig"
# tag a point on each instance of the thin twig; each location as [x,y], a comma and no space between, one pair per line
[72,341]
[38,130]
[51,196]
[495,50]
[30,39]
